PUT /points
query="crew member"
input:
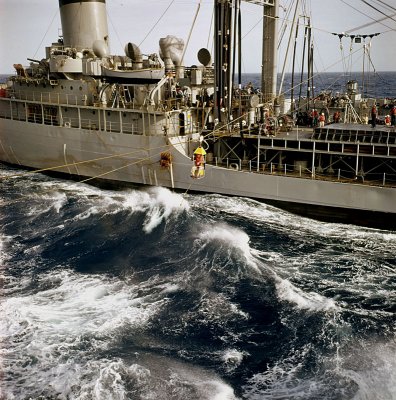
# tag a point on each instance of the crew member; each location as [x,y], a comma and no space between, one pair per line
[198,169]
[393,116]
[314,116]
[322,120]
[374,114]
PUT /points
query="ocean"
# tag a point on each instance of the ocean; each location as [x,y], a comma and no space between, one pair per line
[373,84]
[143,293]
[149,294]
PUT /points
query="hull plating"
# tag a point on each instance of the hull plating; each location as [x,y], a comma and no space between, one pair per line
[88,153]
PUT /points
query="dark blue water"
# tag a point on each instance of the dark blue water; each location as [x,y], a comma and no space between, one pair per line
[373,84]
[149,294]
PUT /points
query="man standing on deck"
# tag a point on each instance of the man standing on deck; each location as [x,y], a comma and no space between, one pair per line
[393,116]
[374,116]
[322,120]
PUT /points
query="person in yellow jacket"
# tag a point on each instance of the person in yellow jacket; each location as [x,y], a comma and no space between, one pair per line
[198,169]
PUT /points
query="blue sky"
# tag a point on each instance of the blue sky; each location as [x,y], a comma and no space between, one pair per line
[27,26]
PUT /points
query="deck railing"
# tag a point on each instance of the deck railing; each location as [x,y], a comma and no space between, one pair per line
[328,174]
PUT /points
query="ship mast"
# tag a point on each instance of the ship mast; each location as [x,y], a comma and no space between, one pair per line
[227,29]
[223,30]
[269,71]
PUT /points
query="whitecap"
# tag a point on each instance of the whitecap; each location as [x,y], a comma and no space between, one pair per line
[158,203]
[303,300]
[76,310]
[232,358]
[372,368]
[163,204]
[233,237]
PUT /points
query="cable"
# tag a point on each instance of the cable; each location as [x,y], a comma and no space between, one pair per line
[387,5]
[377,21]
[4,177]
[45,34]
[366,15]
[376,9]
[159,19]
[117,169]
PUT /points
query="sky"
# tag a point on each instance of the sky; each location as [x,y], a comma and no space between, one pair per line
[27,26]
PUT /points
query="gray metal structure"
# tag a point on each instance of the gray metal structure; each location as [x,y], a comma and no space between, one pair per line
[132,119]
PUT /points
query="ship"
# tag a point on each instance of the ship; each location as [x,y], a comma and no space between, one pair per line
[147,119]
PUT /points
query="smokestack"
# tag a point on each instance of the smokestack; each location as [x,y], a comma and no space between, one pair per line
[84,22]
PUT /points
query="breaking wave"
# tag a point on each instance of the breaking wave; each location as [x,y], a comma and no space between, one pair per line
[146,293]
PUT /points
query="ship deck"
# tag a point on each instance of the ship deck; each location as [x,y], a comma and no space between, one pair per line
[353,153]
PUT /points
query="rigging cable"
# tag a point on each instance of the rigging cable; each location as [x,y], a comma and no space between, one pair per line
[368,16]
[378,10]
[191,29]
[369,24]
[115,30]
[292,28]
[210,34]
[159,19]
[4,177]
[386,5]
[45,34]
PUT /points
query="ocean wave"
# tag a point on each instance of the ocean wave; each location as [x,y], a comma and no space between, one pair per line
[152,294]
[304,300]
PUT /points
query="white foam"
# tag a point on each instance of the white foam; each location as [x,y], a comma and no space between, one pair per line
[4,241]
[163,204]
[303,300]
[373,370]
[232,358]
[158,203]
[47,202]
[53,322]
[294,225]
[234,238]
[362,371]
[153,378]
[282,380]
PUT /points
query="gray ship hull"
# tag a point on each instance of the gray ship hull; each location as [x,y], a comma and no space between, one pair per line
[135,159]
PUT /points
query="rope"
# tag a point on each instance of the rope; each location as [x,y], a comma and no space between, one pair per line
[4,177]
[221,128]
[187,189]
[84,180]
[117,169]
[159,19]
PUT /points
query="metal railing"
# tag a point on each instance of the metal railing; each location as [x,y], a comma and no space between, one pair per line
[328,174]
[46,97]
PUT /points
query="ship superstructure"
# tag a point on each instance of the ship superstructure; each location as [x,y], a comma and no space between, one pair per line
[140,118]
